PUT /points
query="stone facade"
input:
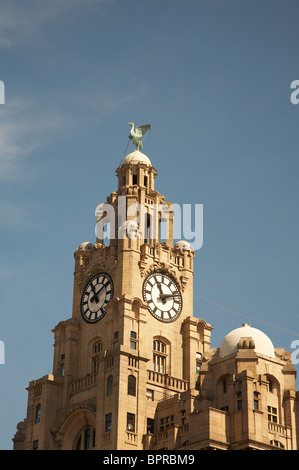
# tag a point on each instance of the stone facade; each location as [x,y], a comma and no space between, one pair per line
[131,377]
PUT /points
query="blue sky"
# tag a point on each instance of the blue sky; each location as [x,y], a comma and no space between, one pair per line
[213,79]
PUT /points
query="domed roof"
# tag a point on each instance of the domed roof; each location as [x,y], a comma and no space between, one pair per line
[136,157]
[182,245]
[85,246]
[262,344]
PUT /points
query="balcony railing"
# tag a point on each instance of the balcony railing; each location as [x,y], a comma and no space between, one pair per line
[284,431]
[84,383]
[166,381]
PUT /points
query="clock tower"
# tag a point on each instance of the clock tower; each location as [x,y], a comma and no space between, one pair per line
[132,340]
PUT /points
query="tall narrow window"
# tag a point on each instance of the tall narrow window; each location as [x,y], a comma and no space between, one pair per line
[150,425]
[62,359]
[135,179]
[132,385]
[35,445]
[239,400]
[256,400]
[108,422]
[198,362]
[96,348]
[130,422]
[133,340]
[116,339]
[109,385]
[87,439]
[37,413]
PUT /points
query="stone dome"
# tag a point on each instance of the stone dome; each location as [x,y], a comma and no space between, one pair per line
[181,246]
[136,157]
[85,246]
[261,342]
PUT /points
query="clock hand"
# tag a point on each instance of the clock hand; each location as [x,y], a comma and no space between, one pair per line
[166,296]
[159,287]
[95,297]
[161,292]
[97,293]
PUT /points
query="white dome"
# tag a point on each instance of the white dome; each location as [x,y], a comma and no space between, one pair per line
[262,344]
[136,157]
[181,246]
[85,246]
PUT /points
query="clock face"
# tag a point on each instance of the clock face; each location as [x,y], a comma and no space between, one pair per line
[163,296]
[97,293]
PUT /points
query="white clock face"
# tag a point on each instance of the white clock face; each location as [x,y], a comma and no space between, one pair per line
[97,293]
[163,297]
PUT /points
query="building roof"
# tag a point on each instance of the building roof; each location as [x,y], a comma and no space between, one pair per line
[262,343]
[136,157]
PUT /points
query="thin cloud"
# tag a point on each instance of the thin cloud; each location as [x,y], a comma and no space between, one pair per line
[25,20]
[23,129]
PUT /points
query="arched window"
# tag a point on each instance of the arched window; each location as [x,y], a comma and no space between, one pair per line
[132,385]
[109,385]
[85,439]
[37,412]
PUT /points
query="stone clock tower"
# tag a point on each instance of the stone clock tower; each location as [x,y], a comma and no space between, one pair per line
[132,340]
[133,368]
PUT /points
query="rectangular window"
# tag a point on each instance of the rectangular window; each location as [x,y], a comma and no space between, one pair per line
[94,365]
[97,347]
[87,439]
[159,364]
[61,368]
[134,179]
[108,422]
[198,362]
[166,422]
[131,422]
[239,400]
[133,340]
[116,342]
[150,425]
[255,401]
[35,445]
[149,394]
[272,414]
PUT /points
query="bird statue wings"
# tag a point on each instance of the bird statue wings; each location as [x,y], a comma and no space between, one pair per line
[136,134]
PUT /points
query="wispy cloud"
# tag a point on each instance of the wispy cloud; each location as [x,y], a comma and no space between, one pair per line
[24,20]
[23,129]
